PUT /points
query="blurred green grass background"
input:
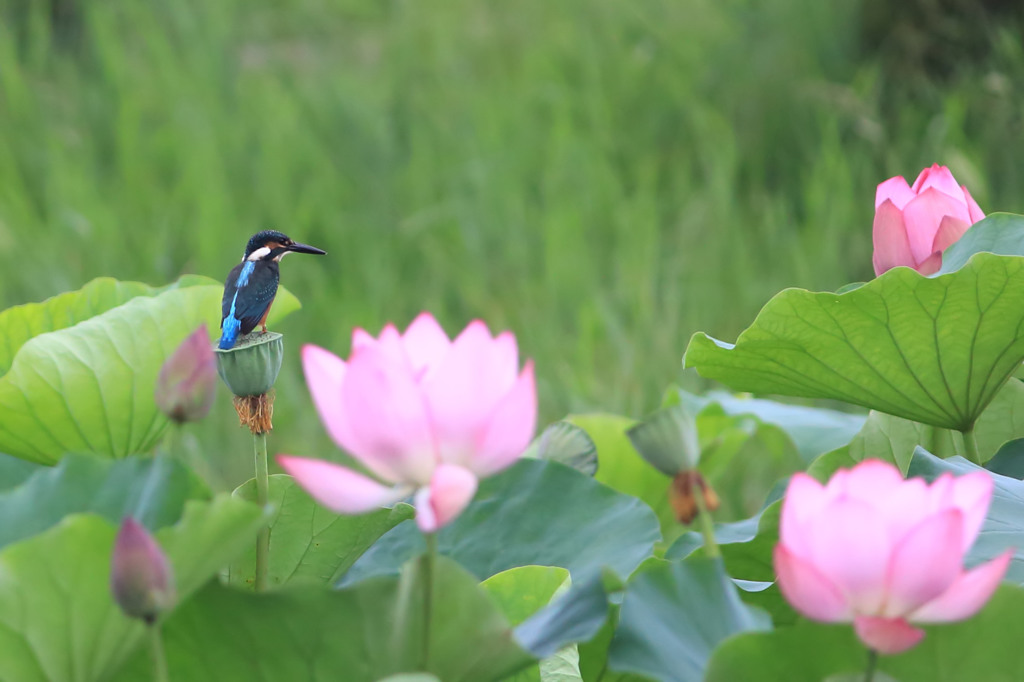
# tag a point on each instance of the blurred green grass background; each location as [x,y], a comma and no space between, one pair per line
[602,177]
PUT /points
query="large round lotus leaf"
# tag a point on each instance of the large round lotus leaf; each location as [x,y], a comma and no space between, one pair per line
[308,542]
[934,350]
[81,368]
[535,513]
[673,615]
[58,620]
[361,634]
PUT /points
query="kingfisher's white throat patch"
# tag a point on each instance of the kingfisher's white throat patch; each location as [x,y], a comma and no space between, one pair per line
[259,253]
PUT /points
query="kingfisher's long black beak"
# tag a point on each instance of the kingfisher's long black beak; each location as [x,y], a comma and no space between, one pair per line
[304,248]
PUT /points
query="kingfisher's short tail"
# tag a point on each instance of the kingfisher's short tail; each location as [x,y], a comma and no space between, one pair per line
[230,333]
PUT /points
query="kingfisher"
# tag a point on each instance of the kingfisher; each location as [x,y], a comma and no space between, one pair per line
[252,284]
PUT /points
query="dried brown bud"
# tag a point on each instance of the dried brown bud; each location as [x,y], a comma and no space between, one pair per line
[683,498]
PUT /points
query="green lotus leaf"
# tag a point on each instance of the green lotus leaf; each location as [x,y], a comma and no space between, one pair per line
[521,592]
[674,614]
[360,634]
[58,620]
[87,385]
[985,647]
[894,439]
[933,350]
[1000,233]
[152,490]
[307,541]
[575,616]
[23,322]
[535,513]
[14,471]
[621,467]
[813,430]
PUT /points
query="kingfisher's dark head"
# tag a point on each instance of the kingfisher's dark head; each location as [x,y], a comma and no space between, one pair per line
[271,245]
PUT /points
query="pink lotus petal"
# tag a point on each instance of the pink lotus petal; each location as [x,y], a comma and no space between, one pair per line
[939,178]
[973,210]
[950,230]
[510,427]
[850,544]
[887,635]
[925,563]
[873,479]
[972,494]
[325,373]
[905,507]
[387,414]
[361,339]
[895,190]
[390,344]
[425,343]
[465,388]
[940,493]
[923,215]
[803,501]
[889,235]
[807,589]
[967,594]
[451,489]
[836,486]
[930,265]
[341,490]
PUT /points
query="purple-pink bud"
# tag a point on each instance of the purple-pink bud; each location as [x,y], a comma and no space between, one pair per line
[188,379]
[140,575]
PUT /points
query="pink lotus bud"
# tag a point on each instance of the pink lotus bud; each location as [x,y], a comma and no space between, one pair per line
[188,379]
[878,551]
[140,575]
[914,225]
[422,413]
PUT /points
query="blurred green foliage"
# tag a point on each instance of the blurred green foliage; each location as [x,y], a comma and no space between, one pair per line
[604,178]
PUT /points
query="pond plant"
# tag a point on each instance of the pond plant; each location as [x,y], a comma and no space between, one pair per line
[724,537]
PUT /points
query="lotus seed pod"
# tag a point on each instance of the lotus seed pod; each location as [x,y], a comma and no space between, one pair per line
[251,367]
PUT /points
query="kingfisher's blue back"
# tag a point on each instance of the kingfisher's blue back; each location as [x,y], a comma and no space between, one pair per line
[252,284]
[248,293]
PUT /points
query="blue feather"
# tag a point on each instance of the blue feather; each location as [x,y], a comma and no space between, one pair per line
[231,324]
[243,276]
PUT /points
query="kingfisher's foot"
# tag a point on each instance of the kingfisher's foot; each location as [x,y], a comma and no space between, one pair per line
[264,329]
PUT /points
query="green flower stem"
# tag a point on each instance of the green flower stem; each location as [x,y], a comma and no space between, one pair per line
[707,527]
[170,446]
[869,671]
[156,643]
[971,441]
[429,561]
[966,445]
[262,496]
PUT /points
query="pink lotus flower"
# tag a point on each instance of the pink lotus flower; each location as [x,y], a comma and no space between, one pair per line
[914,225]
[882,552]
[423,413]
